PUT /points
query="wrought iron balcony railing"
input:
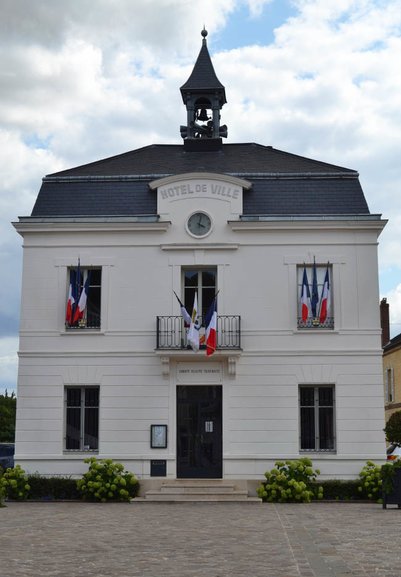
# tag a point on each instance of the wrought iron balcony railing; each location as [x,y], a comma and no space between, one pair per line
[172,333]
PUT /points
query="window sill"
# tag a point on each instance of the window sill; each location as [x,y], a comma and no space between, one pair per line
[82,331]
[80,452]
[304,453]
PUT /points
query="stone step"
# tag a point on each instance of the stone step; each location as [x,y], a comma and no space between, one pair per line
[197,490]
[200,498]
[197,493]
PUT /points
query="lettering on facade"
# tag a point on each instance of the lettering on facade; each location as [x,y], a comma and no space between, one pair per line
[198,371]
[208,189]
[199,374]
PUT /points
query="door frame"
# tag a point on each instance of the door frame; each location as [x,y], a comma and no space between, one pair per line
[201,448]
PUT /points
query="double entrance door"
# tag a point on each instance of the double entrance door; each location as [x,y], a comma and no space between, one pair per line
[199,432]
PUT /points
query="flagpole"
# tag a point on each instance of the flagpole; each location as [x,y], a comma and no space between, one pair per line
[321,294]
[323,289]
[315,294]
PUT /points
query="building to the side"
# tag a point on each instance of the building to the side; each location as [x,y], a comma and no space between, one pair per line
[391,364]
[287,247]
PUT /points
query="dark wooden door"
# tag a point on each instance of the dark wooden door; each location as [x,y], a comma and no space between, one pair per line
[199,432]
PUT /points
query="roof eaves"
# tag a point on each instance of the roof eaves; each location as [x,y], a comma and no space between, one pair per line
[104,178]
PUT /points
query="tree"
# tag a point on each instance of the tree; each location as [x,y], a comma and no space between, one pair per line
[8,408]
[393,428]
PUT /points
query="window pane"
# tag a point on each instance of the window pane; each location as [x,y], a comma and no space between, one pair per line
[209,278]
[191,278]
[91,397]
[95,277]
[207,299]
[308,428]
[307,395]
[326,429]
[73,432]
[325,396]
[189,299]
[93,307]
[91,428]
[73,397]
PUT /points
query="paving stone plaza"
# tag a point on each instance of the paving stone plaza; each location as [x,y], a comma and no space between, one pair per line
[199,540]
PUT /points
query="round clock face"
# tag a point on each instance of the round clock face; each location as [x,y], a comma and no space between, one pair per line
[199,224]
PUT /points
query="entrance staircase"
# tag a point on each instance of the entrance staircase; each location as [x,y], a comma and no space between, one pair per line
[198,490]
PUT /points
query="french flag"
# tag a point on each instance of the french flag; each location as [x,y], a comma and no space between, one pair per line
[79,311]
[211,328]
[69,314]
[305,297]
[324,306]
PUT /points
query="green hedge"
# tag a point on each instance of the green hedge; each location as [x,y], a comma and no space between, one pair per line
[337,490]
[52,488]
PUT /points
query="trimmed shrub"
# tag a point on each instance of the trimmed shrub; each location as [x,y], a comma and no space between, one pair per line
[107,481]
[291,481]
[52,488]
[340,490]
[15,483]
[370,483]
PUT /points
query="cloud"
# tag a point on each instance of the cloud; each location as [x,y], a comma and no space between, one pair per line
[256,7]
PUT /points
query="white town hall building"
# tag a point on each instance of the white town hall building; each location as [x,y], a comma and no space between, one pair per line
[286,247]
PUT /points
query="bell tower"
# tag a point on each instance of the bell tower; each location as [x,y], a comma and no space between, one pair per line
[204,96]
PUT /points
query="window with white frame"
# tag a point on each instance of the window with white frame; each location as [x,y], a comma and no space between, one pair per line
[84,288]
[203,282]
[315,300]
[81,418]
[389,380]
[317,418]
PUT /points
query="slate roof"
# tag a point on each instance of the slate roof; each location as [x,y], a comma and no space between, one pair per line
[283,184]
[393,344]
[203,77]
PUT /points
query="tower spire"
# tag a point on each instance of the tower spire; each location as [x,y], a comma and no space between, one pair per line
[203,95]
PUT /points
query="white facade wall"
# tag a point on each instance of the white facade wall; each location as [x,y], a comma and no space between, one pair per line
[257,279]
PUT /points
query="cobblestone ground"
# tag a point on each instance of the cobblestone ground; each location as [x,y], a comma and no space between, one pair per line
[199,540]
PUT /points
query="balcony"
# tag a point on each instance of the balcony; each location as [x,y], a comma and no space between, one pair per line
[172,334]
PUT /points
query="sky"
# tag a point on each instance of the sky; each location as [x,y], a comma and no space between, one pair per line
[86,79]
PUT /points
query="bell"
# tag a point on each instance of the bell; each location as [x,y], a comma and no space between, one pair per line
[203,115]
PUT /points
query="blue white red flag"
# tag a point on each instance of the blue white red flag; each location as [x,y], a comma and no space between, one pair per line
[211,328]
[71,300]
[305,297]
[79,311]
[325,300]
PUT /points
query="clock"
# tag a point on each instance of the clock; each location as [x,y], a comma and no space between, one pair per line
[199,224]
